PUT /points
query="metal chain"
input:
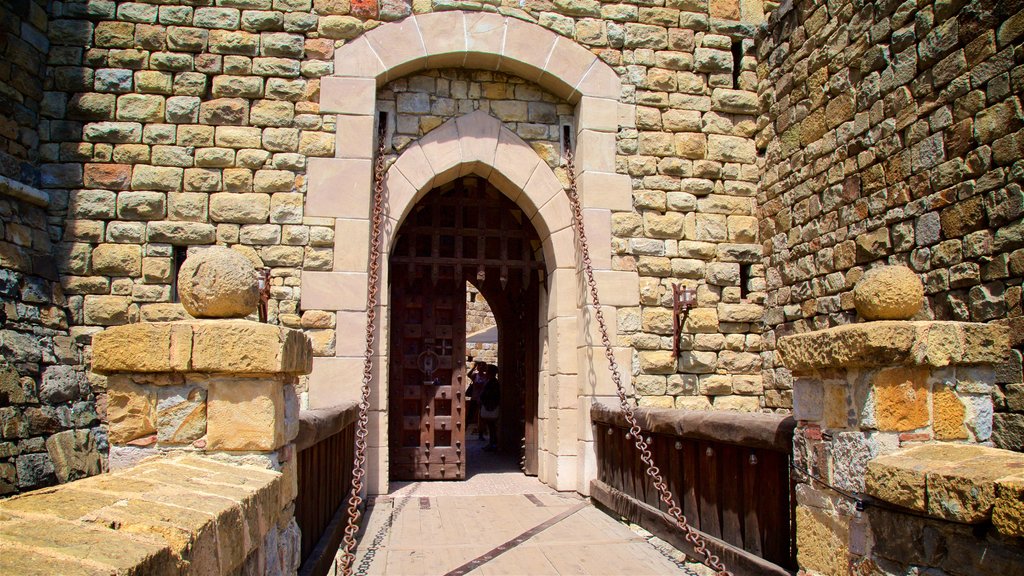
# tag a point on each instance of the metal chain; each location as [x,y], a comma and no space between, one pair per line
[692,535]
[359,465]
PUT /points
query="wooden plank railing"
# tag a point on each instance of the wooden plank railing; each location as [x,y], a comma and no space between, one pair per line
[326,447]
[728,471]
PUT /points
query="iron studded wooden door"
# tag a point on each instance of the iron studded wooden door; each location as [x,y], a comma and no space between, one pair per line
[428,377]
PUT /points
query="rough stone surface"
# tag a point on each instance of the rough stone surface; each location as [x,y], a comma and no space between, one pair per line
[218,283]
[888,293]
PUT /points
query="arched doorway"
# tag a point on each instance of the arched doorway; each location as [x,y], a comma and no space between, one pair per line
[465,230]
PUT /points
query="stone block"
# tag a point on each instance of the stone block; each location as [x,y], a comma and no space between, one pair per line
[165,178]
[107,176]
[239,208]
[224,112]
[822,541]
[140,108]
[131,410]
[238,137]
[245,414]
[888,343]
[74,455]
[117,260]
[141,205]
[181,233]
[106,310]
[240,346]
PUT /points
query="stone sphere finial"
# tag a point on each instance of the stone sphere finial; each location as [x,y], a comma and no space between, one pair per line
[218,283]
[888,293]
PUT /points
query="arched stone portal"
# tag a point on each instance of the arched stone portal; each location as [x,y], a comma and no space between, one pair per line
[572,372]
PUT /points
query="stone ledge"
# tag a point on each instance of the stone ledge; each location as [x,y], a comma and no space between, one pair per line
[210,346]
[958,482]
[895,342]
[23,192]
[165,516]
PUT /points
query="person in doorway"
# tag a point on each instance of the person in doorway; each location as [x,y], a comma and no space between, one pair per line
[490,403]
[477,379]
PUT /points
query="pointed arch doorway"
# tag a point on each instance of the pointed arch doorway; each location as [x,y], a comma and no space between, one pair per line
[464,231]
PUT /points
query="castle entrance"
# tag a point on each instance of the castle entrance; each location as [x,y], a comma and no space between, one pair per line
[464,231]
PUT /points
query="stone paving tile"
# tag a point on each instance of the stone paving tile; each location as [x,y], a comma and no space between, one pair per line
[423,528]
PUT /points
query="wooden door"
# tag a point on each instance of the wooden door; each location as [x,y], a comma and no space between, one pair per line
[427,378]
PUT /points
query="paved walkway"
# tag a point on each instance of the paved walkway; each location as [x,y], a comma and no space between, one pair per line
[496,522]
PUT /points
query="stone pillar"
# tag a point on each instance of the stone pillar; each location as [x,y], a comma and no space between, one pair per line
[865,390]
[219,384]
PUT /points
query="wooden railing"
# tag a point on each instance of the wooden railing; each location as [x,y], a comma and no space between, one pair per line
[728,471]
[325,446]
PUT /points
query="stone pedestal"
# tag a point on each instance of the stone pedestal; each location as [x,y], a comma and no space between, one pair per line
[868,398]
[208,385]
[223,388]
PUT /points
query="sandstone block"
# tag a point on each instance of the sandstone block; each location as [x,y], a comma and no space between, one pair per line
[117,260]
[239,208]
[141,205]
[166,178]
[750,313]
[243,347]
[668,225]
[245,414]
[107,176]
[271,113]
[186,39]
[340,27]
[731,149]
[131,410]
[228,18]
[235,42]
[226,86]
[657,362]
[218,283]
[202,179]
[316,143]
[734,101]
[181,233]
[691,145]
[237,137]
[712,61]
[224,112]
[106,310]
[92,106]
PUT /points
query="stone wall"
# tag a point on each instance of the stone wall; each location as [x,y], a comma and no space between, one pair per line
[24,47]
[189,514]
[479,317]
[49,424]
[891,133]
[175,125]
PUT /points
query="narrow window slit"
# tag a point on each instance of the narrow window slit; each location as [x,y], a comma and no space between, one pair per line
[737,62]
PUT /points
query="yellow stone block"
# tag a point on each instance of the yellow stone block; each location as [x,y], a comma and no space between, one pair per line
[245,347]
[131,410]
[822,542]
[948,415]
[901,399]
[143,347]
[1008,512]
[245,414]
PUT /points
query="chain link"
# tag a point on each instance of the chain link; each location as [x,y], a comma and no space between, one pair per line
[359,464]
[692,535]
[355,499]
